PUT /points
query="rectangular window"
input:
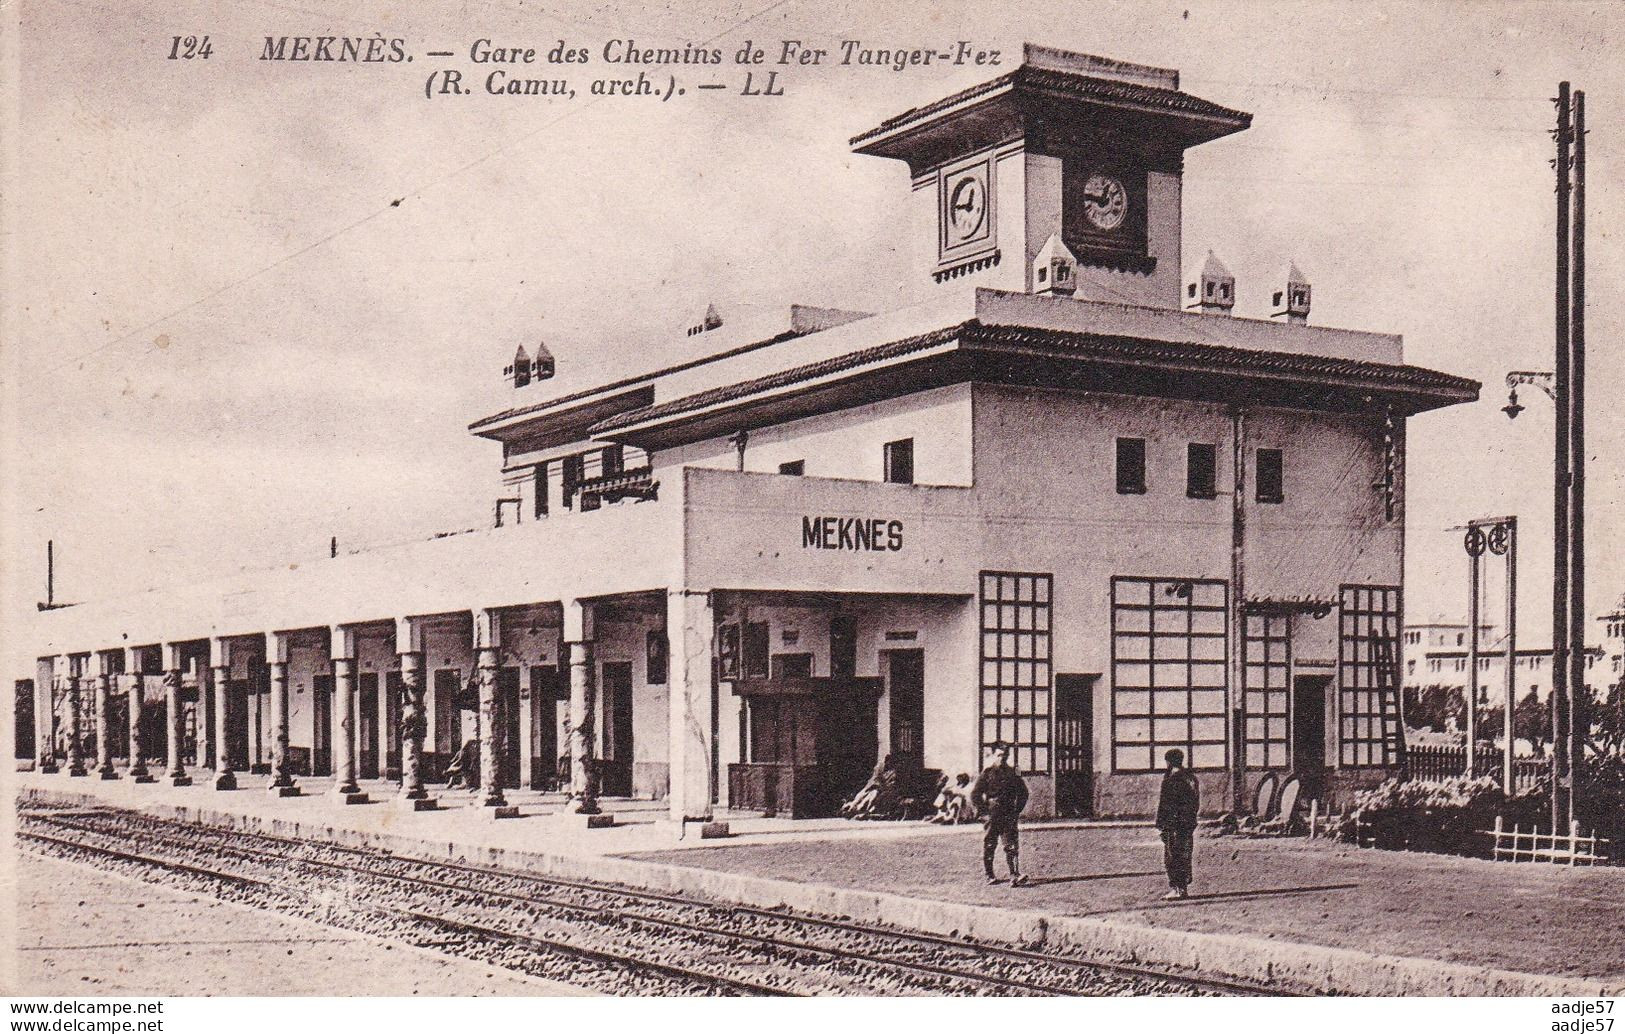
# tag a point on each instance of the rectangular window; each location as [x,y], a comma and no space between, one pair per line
[1267,665]
[794,468]
[1271,487]
[1201,471]
[1015,677]
[1169,672]
[1131,466]
[614,460]
[899,462]
[574,474]
[756,650]
[1368,617]
[541,489]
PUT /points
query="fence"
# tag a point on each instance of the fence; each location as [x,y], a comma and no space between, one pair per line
[1432,762]
[1518,845]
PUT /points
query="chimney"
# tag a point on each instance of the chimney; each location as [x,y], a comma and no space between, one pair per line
[1215,289]
[1055,269]
[710,321]
[1295,298]
[541,366]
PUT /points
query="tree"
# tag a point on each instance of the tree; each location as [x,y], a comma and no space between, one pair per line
[1532,721]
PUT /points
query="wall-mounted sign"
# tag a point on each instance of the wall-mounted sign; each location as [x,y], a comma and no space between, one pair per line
[876,534]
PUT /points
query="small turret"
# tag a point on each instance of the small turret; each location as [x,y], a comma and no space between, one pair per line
[1296,297]
[1215,289]
[1055,268]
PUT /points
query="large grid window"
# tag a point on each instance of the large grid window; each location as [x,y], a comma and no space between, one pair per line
[1369,614]
[1016,666]
[1267,664]
[1169,658]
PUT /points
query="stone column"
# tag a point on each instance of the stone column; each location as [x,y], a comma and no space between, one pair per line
[175,728]
[219,655]
[45,713]
[578,635]
[414,718]
[276,655]
[104,728]
[345,788]
[487,660]
[76,751]
[137,702]
[691,633]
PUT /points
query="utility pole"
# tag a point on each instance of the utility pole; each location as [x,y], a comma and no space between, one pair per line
[1579,717]
[1561,775]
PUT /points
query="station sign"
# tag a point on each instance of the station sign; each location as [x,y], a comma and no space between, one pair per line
[855,534]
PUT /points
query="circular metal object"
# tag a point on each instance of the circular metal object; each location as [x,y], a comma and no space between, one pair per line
[1474,541]
[1499,540]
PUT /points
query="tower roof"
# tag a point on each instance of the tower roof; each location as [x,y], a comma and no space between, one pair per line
[1213,267]
[1049,100]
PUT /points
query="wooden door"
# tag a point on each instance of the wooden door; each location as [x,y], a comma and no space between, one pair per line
[905,683]
[1074,745]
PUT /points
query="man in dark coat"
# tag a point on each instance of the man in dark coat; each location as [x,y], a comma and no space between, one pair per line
[1000,794]
[1176,818]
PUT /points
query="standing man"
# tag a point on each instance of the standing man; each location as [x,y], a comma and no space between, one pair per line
[1176,818]
[1000,794]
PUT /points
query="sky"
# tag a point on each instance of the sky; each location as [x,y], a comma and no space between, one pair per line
[250,305]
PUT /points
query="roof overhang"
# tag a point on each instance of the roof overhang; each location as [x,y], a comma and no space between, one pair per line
[561,421]
[1034,357]
[1046,106]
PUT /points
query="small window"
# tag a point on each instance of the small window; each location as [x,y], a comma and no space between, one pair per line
[899,462]
[1201,475]
[1131,466]
[795,468]
[1271,485]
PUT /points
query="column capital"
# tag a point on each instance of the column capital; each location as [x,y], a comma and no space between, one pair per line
[408,635]
[341,643]
[487,628]
[276,648]
[578,621]
[172,657]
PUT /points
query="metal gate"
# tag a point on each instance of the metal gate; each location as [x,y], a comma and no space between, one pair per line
[1074,745]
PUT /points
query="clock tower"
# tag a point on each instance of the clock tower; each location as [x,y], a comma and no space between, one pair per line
[1084,148]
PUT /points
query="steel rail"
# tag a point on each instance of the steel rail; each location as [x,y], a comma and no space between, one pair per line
[454,926]
[1018,955]
[907,966]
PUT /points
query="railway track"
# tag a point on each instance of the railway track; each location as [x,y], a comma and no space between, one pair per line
[740,950]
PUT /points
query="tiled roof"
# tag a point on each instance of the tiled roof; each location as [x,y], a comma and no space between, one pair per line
[972,334]
[1085,87]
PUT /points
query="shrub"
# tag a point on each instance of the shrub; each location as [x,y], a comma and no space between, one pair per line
[1444,815]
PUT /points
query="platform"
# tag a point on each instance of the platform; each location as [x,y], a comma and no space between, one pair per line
[1306,915]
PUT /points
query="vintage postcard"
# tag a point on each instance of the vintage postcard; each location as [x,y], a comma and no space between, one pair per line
[812,499]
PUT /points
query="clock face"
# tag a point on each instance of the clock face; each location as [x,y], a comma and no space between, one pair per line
[967,207]
[1105,202]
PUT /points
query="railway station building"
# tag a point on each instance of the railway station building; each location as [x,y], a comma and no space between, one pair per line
[1066,502]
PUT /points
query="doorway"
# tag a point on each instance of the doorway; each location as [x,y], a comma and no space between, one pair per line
[508,743]
[1309,732]
[394,691]
[236,745]
[905,682]
[1074,745]
[367,725]
[321,739]
[545,771]
[616,703]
